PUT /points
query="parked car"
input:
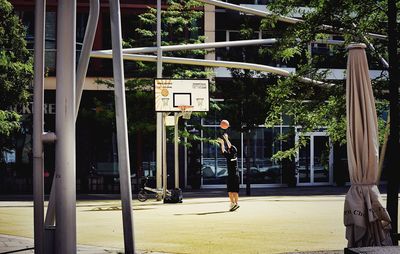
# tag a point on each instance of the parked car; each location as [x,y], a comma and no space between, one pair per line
[209,171]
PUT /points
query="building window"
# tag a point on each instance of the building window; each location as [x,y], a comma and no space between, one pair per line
[263,145]
[214,167]
[262,2]
[51,42]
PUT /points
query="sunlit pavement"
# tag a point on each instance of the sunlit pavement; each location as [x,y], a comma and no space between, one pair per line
[262,224]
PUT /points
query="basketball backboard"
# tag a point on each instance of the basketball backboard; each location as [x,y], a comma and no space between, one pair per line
[169,94]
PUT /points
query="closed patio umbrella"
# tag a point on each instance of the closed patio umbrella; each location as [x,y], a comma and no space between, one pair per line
[367,221]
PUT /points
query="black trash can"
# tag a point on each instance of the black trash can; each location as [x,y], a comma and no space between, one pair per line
[175,196]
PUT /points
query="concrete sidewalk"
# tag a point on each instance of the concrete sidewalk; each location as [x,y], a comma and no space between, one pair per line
[24,245]
[17,244]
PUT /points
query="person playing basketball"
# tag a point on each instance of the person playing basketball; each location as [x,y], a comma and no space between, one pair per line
[230,153]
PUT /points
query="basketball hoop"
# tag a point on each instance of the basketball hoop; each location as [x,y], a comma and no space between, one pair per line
[186,111]
[181,95]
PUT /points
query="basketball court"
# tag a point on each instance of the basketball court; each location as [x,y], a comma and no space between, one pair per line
[263,224]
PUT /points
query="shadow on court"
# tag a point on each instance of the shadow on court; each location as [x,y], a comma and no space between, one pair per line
[204,213]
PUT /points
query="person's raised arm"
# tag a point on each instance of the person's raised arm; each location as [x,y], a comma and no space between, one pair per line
[226,138]
[221,145]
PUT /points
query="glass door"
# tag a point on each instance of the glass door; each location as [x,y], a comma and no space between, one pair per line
[304,163]
[314,160]
[321,159]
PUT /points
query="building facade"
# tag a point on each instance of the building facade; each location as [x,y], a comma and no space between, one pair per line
[201,164]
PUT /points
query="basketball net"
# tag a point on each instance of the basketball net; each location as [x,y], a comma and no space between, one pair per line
[186,111]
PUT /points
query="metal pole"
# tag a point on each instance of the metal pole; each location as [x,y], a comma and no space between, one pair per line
[86,49]
[176,149]
[164,161]
[185,163]
[242,155]
[160,122]
[38,101]
[210,45]
[122,127]
[202,152]
[383,151]
[371,47]
[80,79]
[215,63]
[393,145]
[50,214]
[65,128]
[268,13]
[251,11]
[159,150]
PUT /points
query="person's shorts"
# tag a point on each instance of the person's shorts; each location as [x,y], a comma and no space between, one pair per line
[233,183]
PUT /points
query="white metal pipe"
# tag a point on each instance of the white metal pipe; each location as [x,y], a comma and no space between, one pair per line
[164,157]
[122,127]
[65,234]
[86,49]
[260,13]
[340,30]
[51,207]
[214,63]
[159,121]
[247,10]
[81,75]
[185,163]
[209,45]
[176,149]
[381,58]
[371,47]
[38,101]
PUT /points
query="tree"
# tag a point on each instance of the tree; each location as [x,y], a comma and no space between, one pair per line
[15,74]
[309,104]
[244,97]
[180,25]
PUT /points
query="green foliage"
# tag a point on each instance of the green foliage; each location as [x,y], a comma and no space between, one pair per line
[15,72]
[180,25]
[288,53]
[244,103]
[382,108]
[141,106]
[244,96]
[9,122]
[313,106]
[310,106]
[291,153]
[15,60]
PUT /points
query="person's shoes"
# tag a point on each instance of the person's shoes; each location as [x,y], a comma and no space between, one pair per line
[231,207]
[235,207]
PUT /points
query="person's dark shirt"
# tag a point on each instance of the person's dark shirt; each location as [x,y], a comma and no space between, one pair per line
[231,159]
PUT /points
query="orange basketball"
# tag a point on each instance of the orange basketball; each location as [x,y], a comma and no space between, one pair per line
[224,124]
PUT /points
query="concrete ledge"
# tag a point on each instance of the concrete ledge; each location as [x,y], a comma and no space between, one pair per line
[373,250]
